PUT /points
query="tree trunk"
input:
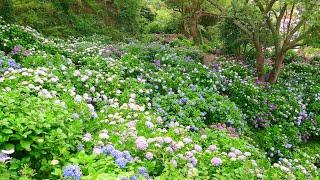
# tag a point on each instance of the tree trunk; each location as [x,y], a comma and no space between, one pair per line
[194,29]
[185,29]
[276,68]
[260,64]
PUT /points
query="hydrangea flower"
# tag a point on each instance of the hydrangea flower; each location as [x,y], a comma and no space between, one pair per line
[212,148]
[104,134]
[142,170]
[121,162]
[216,161]
[4,157]
[232,155]
[127,155]
[149,156]
[72,172]
[97,150]
[87,137]
[133,178]
[116,153]
[141,143]
[108,149]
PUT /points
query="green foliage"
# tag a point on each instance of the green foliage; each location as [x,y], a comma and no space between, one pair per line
[129,14]
[292,56]
[37,129]
[69,101]
[233,39]
[195,107]
[7,10]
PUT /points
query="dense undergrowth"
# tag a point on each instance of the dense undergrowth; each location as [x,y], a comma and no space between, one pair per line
[89,109]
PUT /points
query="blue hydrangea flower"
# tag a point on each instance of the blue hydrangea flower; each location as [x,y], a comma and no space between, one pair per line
[116,154]
[133,178]
[183,100]
[121,162]
[72,172]
[127,155]
[108,149]
[193,87]
[80,147]
[142,170]
[13,64]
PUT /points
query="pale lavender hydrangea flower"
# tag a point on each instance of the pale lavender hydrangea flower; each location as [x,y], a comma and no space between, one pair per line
[87,137]
[141,143]
[149,156]
[212,148]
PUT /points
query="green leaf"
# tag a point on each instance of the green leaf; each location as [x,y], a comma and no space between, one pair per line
[7,131]
[9,146]
[106,176]
[26,145]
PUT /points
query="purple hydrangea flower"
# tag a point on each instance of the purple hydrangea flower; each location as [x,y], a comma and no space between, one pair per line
[133,178]
[157,63]
[16,50]
[87,137]
[288,146]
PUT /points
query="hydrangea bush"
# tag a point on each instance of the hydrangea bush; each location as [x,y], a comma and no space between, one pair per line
[84,109]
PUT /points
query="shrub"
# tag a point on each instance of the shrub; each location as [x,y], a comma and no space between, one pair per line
[37,129]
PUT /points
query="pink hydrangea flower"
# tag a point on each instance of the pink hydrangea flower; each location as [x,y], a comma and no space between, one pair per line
[216,161]
[232,155]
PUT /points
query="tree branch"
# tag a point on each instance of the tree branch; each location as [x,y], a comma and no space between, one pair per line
[279,18]
[294,42]
[243,28]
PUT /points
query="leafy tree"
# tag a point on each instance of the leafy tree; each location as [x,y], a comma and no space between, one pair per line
[7,10]
[129,14]
[233,39]
[192,11]
[290,23]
